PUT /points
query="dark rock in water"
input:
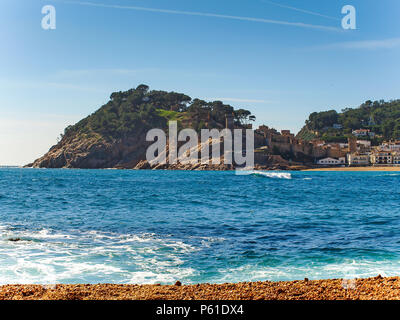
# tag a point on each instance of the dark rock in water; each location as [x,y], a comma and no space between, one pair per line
[144,164]
[178,283]
[14,239]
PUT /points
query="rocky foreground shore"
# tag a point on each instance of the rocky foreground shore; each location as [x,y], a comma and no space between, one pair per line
[377,288]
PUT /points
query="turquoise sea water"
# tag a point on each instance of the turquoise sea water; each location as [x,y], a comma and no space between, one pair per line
[91,226]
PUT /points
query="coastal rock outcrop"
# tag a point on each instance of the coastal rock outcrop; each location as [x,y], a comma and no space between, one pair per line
[93,153]
[115,135]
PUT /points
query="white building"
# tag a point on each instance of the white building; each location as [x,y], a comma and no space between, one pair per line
[357,159]
[360,133]
[364,143]
[363,133]
[396,158]
[337,126]
[331,161]
[392,146]
[381,157]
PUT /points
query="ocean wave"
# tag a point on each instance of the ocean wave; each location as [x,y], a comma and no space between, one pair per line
[90,257]
[267,174]
[270,174]
[96,256]
[209,241]
[347,269]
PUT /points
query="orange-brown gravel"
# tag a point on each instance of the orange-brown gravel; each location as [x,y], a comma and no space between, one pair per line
[336,289]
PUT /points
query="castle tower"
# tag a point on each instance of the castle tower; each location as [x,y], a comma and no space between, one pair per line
[229,121]
[352,144]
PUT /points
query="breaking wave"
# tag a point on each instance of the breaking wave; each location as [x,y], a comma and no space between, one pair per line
[269,174]
[346,269]
[47,257]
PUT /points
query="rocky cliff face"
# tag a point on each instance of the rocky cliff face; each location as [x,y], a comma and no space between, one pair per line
[93,153]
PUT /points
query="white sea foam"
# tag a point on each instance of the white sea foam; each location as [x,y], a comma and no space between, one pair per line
[347,269]
[90,257]
[270,174]
[48,234]
[208,241]
[267,174]
[95,256]
[151,277]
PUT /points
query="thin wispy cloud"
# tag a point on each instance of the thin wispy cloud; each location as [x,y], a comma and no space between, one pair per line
[301,10]
[37,84]
[127,72]
[239,100]
[96,72]
[204,14]
[366,44]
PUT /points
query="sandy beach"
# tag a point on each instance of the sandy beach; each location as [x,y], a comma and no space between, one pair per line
[378,169]
[336,289]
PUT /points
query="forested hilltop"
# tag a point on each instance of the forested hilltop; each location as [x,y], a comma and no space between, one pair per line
[114,135]
[382,118]
[140,109]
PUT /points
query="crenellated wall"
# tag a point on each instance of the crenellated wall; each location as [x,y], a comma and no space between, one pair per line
[287,144]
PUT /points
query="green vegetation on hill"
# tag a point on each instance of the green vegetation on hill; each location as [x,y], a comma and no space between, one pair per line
[138,110]
[171,115]
[382,118]
[306,134]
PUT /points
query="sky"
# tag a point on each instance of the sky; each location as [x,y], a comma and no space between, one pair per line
[281,60]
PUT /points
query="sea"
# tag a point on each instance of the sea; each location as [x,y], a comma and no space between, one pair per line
[139,227]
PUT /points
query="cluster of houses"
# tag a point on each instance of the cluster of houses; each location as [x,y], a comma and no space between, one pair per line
[358,151]
[361,153]
[363,133]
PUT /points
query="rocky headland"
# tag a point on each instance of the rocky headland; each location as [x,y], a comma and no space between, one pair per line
[114,136]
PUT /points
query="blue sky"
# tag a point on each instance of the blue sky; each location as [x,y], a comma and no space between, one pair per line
[280,59]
